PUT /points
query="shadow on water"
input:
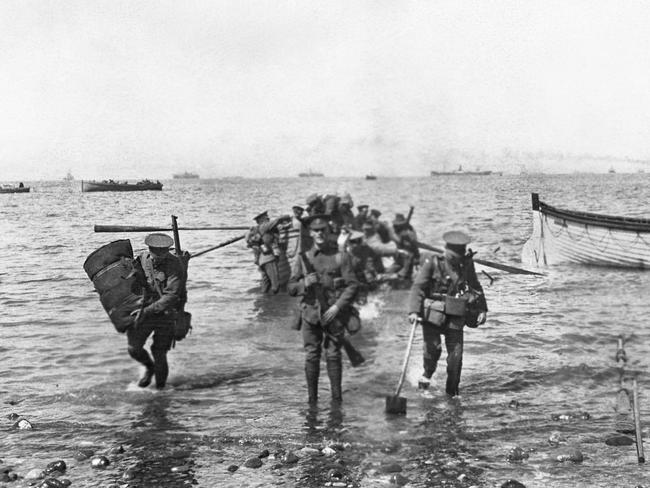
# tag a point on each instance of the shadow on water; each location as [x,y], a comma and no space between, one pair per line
[160,453]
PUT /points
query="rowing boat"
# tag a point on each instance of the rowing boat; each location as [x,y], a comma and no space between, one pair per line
[569,236]
[90,186]
[14,189]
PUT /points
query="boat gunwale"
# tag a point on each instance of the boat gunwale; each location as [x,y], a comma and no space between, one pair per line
[632,224]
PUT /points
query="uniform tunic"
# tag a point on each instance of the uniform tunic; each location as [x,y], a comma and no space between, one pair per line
[337,285]
[167,275]
[444,276]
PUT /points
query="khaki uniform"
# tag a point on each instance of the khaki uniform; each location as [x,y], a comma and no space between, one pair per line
[439,277]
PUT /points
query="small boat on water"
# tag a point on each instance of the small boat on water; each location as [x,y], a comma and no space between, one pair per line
[110,185]
[186,176]
[14,189]
[569,236]
[371,177]
[461,172]
[68,177]
[310,174]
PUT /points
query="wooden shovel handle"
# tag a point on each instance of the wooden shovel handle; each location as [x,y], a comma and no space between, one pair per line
[407,355]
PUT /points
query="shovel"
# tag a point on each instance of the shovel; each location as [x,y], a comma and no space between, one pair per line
[396,404]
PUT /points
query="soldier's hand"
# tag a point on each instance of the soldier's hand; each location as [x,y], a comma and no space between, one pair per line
[482,317]
[137,314]
[329,314]
[311,279]
[413,317]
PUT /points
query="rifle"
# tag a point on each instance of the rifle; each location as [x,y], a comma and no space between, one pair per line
[410,214]
[354,356]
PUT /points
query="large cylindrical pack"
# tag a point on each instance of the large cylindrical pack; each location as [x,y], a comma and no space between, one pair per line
[113,272]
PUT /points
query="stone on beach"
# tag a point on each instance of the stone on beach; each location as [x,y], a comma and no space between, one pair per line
[390,468]
[328,451]
[58,466]
[253,463]
[574,456]
[556,439]
[83,454]
[264,454]
[308,452]
[289,458]
[34,474]
[232,468]
[513,484]
[516,454]
[100,462]
[619,440]
[399,480]
[23,424]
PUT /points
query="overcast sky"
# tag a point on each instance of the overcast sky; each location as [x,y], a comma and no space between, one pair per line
[127,89]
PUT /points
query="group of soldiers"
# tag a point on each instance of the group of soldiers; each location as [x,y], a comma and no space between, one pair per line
[337,259]
[365,237]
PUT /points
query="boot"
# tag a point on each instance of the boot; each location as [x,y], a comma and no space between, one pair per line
[312,371]
[160,369]
[143,357]
[335,373]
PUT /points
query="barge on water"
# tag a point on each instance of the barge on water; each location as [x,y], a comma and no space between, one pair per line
[110,185]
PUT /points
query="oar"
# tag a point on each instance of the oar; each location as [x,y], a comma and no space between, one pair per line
[490,264]
[221,244]
[139,228]
[397,404]
[637,424]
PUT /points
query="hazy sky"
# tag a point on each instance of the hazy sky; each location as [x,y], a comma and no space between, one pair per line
[147,88]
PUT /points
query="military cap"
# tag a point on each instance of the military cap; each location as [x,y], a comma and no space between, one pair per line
[162,241]
[361,207]
[355,235]
[262,215]
[400,219]
[375,213]
[313,198]
[297,207]
[318,221]
[456,238]
[347,199]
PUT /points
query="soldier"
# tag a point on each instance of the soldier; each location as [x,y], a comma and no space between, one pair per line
[446,295]
[264,239]
[364,263]
[325,281]
[361,217]
[407,248]
[165,294]
[315,205]
[345,212]
[382,228]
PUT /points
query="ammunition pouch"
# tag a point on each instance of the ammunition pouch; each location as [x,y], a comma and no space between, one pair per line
[182,325]
[456,306]
[351,320]
[434,311]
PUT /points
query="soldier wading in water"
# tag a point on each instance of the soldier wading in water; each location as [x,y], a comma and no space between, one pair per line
[165,294]
[325,280]
[446,295]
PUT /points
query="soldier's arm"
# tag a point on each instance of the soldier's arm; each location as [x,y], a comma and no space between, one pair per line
[296,284]
[171,293]
[347,273]
[419,287]
[475,284]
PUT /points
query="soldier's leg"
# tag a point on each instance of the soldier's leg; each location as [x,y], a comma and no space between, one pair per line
[454,346]
[335,361]
[271,270]
[312,336]
[265,281]
[162,342]
[136,338]
[432,349]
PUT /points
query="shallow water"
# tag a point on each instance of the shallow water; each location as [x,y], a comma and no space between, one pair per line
[237,382]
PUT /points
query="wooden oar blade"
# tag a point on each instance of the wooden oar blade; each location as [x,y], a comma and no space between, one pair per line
[490,264]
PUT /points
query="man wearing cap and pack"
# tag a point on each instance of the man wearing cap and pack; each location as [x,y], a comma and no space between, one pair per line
[364,263]
[315,205]
[361,217]
[407,252]
[446,295]
[325,281]
[165,294]
[264,240]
